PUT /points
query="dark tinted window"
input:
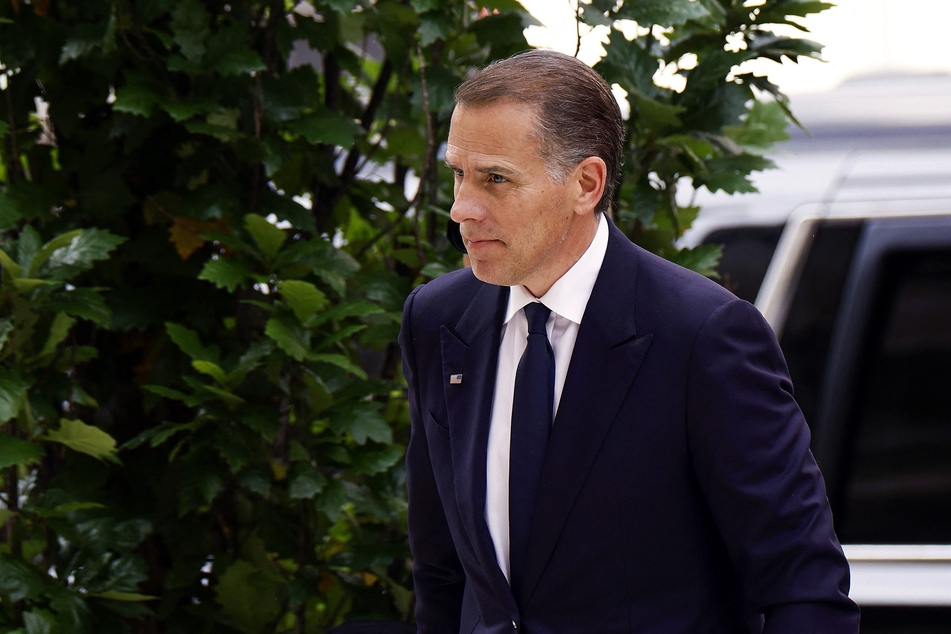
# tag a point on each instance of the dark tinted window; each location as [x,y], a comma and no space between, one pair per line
[746,255]
[898,483]
[808,331]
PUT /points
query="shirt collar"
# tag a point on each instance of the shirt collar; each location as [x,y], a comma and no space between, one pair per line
[569,295]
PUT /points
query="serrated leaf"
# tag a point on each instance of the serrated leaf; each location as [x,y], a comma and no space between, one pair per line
[364,422]
[137,98]
[327,127]
[305,482]
[189,342]
[16,451]
[663,12]
[187,235]
[211,369]
[12,394]
[765,125]
[59,330]
[19,580]
[654,114]
[289,337]
[239,62]
[375,459]
[269,238]
[85,303]
[345,310]
[175,395]
[232,400]
[248,595]
[83,248]
[702,259]
[732,173]
[341,362]
[304,298]
[85,439]
[191,29]
[225,273]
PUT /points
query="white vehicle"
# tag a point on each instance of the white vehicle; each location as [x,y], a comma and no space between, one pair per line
[847,252]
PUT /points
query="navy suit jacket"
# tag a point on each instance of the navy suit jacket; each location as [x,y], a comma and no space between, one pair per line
[678,492]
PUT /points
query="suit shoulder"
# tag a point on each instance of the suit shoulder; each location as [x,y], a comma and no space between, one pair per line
[670,294]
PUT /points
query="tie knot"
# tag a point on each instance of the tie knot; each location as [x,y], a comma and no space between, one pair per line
[537,314]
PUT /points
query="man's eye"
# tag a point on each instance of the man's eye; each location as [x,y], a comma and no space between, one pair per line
[495,178]
[457,173]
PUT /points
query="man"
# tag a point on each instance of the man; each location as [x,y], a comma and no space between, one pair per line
[672,488]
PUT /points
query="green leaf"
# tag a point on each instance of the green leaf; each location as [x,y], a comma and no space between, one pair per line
[75,251]
[16,451]
[7,264]
[654,114]
[6,328]
[764,126]
[84,438]
[364,422]
[305,482]
[26,199]
[83,39]
[12,394]
[663,12]
[123,596]
[210,369]
[59,330]
[702,259]
[289,336]
[341,362]
[239,62]
[137,100]
[304,298]
[230,399]
[191,29]
[375,459]
[189,342]
[269,238]
[327,127]
[40,622]
[85,303]
[19,580]
[248,595]
[226,273]
[175,395]
[345,310]
[26,285]
[732,173]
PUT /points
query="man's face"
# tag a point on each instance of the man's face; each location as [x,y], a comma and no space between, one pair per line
[518,226]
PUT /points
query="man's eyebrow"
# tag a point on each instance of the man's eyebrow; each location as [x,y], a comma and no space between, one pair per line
[487,169]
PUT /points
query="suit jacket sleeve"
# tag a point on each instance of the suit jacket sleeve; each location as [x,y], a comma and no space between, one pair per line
[750,447]
[437,573]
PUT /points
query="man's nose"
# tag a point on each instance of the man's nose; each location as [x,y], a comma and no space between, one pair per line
[466,205]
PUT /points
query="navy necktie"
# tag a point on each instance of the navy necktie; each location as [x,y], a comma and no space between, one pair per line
[531,426]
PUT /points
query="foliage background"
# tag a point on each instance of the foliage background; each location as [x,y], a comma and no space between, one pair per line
[211,213]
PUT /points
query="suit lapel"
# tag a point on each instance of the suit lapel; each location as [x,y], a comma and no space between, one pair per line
[607,355]
[469,360]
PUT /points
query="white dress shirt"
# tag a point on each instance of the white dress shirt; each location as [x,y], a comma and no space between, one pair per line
[567,299]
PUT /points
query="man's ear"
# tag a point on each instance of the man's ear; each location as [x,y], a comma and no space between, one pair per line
[591,176]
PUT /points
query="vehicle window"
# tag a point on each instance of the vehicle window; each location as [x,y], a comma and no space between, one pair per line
[898,479]
[746,254]
[807,334]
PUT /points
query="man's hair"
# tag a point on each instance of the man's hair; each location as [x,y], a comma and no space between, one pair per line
[576,115]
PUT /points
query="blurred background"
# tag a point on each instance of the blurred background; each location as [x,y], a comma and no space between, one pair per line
[875,113]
